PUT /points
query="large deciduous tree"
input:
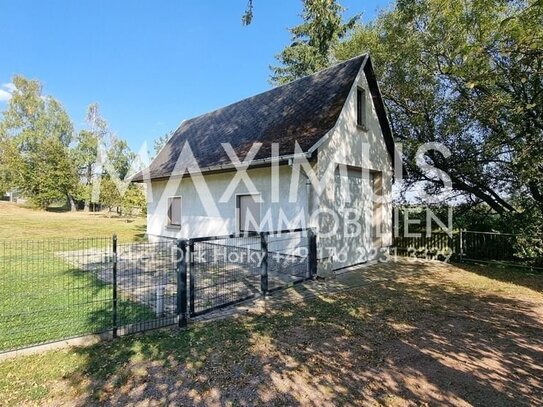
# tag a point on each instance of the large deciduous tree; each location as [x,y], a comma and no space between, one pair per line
[104,161]
[468,75]
[35,137]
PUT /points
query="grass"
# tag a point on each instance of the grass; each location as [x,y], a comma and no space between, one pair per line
[394,334]
[18,222]
[43,297]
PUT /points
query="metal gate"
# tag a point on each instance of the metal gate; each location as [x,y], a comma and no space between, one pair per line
[225,270]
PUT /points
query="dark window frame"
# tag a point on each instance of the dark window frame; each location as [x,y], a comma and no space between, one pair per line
[170,201]
[361,107]
[239,227]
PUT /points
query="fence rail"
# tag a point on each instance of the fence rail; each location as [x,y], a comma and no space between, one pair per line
[234,268]
[437,246]
[53,290]
[469,246]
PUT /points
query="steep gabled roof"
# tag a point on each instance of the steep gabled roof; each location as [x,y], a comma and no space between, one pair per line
[303,111]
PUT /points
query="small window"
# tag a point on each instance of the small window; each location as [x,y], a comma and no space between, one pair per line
[361,107]
[248,207]
[174,211]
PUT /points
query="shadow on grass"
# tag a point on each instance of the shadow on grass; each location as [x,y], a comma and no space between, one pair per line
[141,233]
[403,335]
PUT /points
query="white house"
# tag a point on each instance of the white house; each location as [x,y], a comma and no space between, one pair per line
[316,152]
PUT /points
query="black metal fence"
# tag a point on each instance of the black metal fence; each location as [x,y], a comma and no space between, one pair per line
[486,246]
[58,289]
[436,246]
[469,246]
[229,269]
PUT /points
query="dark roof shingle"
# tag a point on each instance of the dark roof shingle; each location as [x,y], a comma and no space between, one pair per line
[303,111]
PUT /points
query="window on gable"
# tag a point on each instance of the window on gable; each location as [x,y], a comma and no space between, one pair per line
[360,107]
[174,211]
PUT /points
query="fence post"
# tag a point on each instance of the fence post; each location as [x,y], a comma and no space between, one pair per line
[312,253]
[114,316]
[191,278]
[264,264]
[461,246]
[181,270]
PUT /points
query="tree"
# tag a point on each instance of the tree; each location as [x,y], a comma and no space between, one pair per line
[247,17]
[85,153]
[134,200]
[110,195]
[467,75]
[161,142]
[35,134]
[8,155]
[313,41]
[120,157]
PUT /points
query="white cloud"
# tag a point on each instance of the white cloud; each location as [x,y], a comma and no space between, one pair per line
[9,86]
[5,93]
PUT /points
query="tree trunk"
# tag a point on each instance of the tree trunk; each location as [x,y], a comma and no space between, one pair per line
[71,202]
[86,206]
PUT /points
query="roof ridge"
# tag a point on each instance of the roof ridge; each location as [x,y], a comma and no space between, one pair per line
[271,90]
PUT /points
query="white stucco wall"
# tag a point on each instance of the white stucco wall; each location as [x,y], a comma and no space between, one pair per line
[198,216]
[345,144]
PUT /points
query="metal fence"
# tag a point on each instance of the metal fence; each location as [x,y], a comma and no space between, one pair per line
[468,246]
[437,246]
[486,246]
[229,269]
[58,289]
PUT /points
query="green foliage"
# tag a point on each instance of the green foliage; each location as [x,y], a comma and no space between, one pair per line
[313,41]
[161,142]
[41,156]
[134,200]
[85,153]
[467,75]
[36,133]
[109,193]
[247,17]
[7,155]
[120,157]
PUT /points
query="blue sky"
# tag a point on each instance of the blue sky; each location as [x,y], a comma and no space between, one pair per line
[149,64]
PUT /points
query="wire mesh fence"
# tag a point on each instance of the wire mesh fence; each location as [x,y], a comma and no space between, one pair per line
[146,275]
[58,289]
[53,290]
[45,295]
[469,246]
[223,271]
[229,269]
[288,258]
[436,246]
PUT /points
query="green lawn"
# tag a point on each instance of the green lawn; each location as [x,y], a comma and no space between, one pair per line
[22,223]
[397,334]
[42,296]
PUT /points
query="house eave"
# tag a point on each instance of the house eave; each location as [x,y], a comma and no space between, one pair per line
[224,168]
